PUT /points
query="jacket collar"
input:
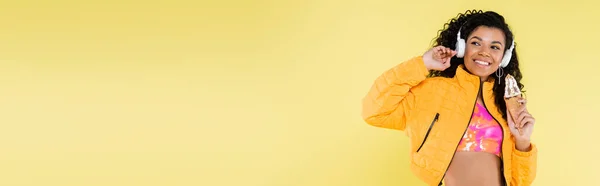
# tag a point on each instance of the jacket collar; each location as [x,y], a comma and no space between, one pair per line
[468,80]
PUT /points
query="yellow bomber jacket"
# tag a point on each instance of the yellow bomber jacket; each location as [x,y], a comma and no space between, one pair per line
[434,113]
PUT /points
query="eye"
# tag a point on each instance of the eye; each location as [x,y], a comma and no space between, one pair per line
[495,47]
[475,43]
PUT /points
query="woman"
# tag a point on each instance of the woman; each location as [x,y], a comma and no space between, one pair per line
[450,103]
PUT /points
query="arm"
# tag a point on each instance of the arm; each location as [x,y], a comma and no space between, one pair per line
[388,102]
[524,164]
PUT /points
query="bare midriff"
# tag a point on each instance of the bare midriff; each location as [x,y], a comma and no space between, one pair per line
[474,169]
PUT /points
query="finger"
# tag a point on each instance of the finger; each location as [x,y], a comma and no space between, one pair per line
[441,49]
[529,121]
[435,50]
[523,104]
[517,119]
[514,129]
[511,124]
[520,118]
[522,101]
[436,54]
[521,109]
[527,116]
[443,53]
[444,56]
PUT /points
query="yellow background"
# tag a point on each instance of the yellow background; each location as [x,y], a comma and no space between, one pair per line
[258,93]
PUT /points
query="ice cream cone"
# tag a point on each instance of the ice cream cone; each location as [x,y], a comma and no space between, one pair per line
[512,94]
[512,104]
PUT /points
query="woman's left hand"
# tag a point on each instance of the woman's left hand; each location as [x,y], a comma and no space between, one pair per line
[524,120]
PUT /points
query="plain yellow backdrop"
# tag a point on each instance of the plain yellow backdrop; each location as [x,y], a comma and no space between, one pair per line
[258,93]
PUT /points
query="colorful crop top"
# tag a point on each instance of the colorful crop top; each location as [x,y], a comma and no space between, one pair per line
[484,134]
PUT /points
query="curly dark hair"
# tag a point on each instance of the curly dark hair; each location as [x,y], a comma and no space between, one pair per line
[470,20]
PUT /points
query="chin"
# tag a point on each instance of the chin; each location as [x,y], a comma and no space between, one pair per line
[481,70]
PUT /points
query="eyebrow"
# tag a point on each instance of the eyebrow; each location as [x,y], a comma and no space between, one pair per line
[475,37]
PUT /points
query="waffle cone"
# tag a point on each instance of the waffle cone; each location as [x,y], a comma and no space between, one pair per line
[512,94]
[513,105]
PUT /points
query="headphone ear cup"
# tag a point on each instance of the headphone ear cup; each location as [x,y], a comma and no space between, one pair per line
[460,48]
[506,59]
[507,55]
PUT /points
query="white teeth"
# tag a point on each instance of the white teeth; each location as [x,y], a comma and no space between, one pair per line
[482,62]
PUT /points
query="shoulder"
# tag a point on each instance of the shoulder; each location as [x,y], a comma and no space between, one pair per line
[435,84]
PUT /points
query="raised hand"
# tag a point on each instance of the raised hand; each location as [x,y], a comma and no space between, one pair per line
[438,58]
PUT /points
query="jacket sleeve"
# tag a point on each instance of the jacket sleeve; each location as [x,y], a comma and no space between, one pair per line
[524,166]
[390,98]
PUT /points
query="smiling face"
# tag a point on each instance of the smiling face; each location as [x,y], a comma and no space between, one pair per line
[484,51]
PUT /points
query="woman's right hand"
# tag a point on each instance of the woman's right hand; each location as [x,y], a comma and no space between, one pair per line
[438,58]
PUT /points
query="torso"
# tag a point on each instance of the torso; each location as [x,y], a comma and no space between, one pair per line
[477,160]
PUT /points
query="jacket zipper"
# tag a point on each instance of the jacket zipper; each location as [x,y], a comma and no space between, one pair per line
[457,144]
[429,130]
[501,141]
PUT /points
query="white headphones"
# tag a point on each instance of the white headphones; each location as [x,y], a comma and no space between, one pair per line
[461,45]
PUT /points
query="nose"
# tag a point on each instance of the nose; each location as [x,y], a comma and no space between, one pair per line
[484,53]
